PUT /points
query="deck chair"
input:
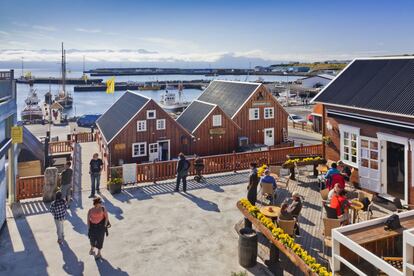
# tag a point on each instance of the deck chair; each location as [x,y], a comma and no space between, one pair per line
[266,191]
[324,198]
[328,225]
[288,226]
[361,196]
[283,176]
[396,262]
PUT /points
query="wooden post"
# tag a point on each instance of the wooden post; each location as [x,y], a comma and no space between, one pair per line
[323,131]
[268,156]
[234,161]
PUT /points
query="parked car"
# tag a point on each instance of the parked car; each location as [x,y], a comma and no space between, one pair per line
[88,120]
[297,119]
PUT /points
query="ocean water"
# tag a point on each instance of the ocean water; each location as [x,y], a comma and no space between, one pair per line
[98,102]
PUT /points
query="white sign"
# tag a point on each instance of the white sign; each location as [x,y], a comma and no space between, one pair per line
[129,173]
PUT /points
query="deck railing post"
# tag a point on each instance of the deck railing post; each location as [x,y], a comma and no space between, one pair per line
[154,172]
[234,161]
[268,156]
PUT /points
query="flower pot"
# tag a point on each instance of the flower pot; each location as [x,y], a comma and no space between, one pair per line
[115,188]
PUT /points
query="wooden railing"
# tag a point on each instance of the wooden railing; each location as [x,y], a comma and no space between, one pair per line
[84,137]
[60,147]
[29,187]
[302,126]
[156,171]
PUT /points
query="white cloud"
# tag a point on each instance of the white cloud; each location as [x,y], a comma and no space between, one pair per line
[91,31]
[4,33]
[44,28]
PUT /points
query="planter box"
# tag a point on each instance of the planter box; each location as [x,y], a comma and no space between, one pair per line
[115,188]
[295,259]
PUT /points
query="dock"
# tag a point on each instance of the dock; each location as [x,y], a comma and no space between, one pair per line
[53,80]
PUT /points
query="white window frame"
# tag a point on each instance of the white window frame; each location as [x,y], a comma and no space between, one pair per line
[144,124]
[350,130]
[272,112]
[252,113]
[217,120]
[149,111]
[163,126]
[144,144]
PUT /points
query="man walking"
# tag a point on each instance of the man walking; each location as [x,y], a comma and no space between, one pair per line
[66,182]
[58,209]
[95,168]
[182,172]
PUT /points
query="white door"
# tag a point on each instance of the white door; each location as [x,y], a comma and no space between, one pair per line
[269,137]
[369,164]
[153,151]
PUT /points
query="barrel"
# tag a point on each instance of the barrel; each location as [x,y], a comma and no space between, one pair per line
[247,247]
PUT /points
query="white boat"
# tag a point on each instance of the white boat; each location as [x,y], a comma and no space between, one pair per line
[169,103]
[64,98]
[32,111]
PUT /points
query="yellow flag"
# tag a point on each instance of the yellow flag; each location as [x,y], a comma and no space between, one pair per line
[110,86]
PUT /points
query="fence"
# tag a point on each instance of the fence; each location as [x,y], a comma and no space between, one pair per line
[60,147]
[156,171]
[302,126]
[29,187]
[84,137]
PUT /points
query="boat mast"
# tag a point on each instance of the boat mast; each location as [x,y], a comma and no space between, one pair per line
[63,71]
[22,67]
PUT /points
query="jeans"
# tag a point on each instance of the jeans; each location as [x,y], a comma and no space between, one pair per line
[59,228]
[95,178]
[65,189]
[184,178]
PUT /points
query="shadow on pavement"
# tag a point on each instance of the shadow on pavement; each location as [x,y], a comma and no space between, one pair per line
[202,203]
[105,268]
[72,266]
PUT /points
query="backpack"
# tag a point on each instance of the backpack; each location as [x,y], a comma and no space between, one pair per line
[392,223]
[366,202]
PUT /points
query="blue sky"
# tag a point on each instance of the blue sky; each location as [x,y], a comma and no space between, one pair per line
[204,31]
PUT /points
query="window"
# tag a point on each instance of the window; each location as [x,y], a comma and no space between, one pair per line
[269,113]
[141,125]
[349,144]
[139,149]
[216,120]
[151,114]
[160,124]
[254,114]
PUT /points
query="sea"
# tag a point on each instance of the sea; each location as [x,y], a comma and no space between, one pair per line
[98,102]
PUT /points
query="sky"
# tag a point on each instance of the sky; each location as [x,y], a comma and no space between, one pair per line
[203,33]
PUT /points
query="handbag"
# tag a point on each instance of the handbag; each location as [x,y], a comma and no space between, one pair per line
[392,223]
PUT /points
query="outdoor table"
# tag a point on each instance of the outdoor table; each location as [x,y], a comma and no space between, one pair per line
[270,211]
[356,206]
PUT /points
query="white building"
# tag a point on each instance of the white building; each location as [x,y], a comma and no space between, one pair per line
[317,81]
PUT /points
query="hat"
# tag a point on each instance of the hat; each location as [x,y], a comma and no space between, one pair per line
[296,194]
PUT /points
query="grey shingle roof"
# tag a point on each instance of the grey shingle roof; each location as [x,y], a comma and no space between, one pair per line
[385,85]
[114,119]
[229,96]
[194,114]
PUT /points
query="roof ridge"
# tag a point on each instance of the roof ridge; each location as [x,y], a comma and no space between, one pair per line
[204,102]
[232,81]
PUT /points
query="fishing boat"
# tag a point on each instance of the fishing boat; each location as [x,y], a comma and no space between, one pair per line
[64,98]
[32,111]
[168,100]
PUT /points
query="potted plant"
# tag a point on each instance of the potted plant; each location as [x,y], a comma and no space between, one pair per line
[115,185]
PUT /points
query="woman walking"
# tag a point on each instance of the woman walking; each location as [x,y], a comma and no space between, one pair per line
[97,224]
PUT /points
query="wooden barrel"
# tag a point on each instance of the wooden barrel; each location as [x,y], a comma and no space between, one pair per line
[247,247]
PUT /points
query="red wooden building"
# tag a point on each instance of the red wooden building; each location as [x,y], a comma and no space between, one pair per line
[136,129]
[258,117]
[368,123]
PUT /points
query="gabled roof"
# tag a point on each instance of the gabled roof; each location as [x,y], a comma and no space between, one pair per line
[120,113]
[374,84]
[56,105]
[230,96]
[195,114]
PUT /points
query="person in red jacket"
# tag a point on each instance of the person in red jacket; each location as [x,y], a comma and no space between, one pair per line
[341,204]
